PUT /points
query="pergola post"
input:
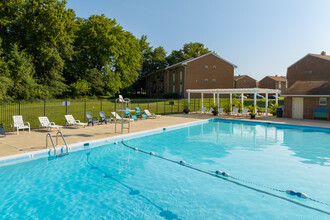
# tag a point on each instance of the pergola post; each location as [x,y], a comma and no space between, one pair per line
[266,103]
[242,100]
[218,98]
[213,98]
[231,102]
[188,99]
[202,96]
[255,101]
[276,97]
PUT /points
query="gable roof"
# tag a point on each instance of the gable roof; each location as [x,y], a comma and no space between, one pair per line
[325,57]
[278,78]
[308,88]
[242,76]
[185,62]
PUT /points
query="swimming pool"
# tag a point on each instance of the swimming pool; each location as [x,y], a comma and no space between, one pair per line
[115,182]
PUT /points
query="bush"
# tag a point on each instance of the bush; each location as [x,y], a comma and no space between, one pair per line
[171,95]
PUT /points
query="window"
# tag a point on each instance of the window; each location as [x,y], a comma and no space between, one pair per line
[206,66]
[214,80]
[206,80]
[323,101]
[279,85]
[309,71]
[214,67]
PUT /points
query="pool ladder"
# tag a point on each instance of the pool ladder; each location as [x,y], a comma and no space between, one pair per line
[49,136]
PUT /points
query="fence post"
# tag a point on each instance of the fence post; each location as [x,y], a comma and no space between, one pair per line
[164,107]
[66,107]
[85,111]
[157,106]
[194,104]
[44,107]
[178,105]
[19,107]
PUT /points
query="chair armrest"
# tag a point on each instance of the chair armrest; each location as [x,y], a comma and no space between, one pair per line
[52,123]
[77,121]
[95,118]
[27,123]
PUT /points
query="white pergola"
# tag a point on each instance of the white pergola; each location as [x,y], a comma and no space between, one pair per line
[240,91]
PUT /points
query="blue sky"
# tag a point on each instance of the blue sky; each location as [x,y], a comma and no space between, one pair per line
[261,37]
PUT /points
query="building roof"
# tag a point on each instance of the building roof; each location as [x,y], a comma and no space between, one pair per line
[185,62]
[241,76]
[322,56]
[278,78]
[308,88]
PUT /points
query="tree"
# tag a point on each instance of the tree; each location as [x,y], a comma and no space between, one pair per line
[5,81]
[189,50]
[102,46]
[45,30]
[22,70]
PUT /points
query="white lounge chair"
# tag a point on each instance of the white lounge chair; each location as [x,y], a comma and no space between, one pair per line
[151,115]
[45,123]
[245,111]
[211,110]
[220,110]
[70,121]
[235,111]
[120,118]
[202,110]
[19,124]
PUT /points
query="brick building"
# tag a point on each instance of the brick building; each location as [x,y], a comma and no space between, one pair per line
[308,86]
[208,71]
[272,82]
[244,81]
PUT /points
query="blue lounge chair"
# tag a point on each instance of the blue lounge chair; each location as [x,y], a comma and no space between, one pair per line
[104,118]
[138,113]
[134,117]
[92,119]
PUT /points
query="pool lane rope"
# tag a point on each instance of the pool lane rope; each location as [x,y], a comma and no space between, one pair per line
[167,214]
[225,176]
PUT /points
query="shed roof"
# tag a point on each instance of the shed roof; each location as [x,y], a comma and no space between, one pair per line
[308,88]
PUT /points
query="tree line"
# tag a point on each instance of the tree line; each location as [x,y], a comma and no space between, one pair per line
[46,51]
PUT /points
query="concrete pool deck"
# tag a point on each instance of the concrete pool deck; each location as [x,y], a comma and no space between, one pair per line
[24,142]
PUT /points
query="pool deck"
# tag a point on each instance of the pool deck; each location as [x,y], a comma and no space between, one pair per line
[24,142]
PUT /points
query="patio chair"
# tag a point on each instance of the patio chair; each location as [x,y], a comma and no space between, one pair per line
[45,123]
[245,111]
[117,117]
[139,114]
[220,110]
[235,111]
[151,115]
[104,118]
[210,110]
[202,110]
[19,124]
[71,121]
[2,130]
[134,117]
[91,119]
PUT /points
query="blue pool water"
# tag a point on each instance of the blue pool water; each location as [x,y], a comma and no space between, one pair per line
[115,182]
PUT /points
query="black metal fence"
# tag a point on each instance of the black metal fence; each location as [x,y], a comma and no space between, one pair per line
[56,109]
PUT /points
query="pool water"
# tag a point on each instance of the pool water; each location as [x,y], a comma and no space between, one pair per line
[115,182]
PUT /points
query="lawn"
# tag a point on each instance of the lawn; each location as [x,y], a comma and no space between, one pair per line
[55,110]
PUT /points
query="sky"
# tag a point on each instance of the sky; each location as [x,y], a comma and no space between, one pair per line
[261,37]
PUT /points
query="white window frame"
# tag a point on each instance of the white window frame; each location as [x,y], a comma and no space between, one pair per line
[323,101]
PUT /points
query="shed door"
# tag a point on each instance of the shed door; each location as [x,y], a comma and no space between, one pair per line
[298,108]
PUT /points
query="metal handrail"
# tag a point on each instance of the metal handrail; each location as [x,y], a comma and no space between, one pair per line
[67,148]
[51,138]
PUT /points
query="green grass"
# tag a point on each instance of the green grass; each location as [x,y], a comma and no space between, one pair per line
[31,110]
